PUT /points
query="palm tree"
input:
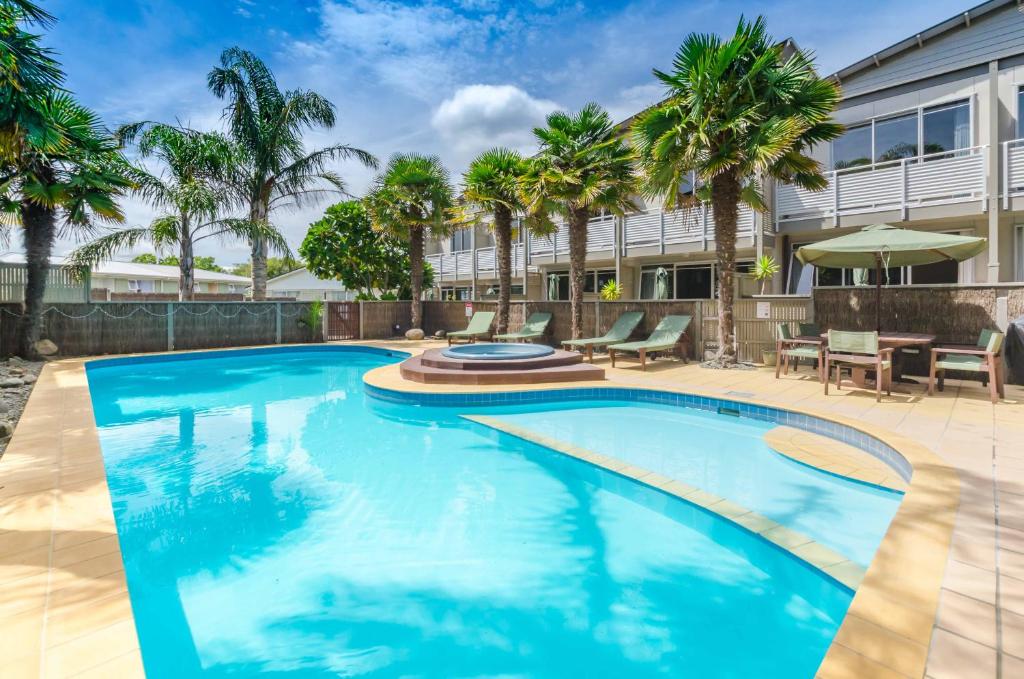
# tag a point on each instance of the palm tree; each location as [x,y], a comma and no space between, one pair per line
[267,125]
[491,184]
[192,190]
[410,197]
[584,167]
[737,110]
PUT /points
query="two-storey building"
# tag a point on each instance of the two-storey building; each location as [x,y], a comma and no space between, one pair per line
[934,141]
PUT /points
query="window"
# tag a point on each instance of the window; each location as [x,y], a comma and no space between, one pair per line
[852,148]
[656,282]
[1018,253]
[936,129]
[896,138]
[492,291]
[596,280]
[694,282]
[456,294]
[801,276]
[558,285]
[462,240]
[946,128]
[140,285]
[1020,112]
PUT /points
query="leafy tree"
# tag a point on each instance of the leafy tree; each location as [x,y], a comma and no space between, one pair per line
[276,266]
[192,189]
[145,258]
[737,110]
[267,125]
[60,170]
[583,168]
[492,184]
[343,246]
[200,262]
[411,197]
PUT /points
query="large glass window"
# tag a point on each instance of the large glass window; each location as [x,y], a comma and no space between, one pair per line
[693,282]
[852,148]
[947,128]
[656,282]
[462,240]
[896,138]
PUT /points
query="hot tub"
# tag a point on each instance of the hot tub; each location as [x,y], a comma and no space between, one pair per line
[498,352]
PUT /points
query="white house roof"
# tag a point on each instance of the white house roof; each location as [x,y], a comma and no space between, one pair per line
[137,270]
[302,279]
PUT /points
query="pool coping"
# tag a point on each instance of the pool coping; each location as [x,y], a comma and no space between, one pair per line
[56,467]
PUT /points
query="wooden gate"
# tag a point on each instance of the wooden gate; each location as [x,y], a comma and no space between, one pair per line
[342,320]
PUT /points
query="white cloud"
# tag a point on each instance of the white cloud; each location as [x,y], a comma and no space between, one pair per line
[478,117]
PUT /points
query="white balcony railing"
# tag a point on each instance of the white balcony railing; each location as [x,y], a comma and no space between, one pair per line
[656,227]
[933,179]
[1013,170]
[600,236]
[459,265]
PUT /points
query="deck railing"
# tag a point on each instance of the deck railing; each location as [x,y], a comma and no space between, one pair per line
[932,179]
[459,265]
[1013,170]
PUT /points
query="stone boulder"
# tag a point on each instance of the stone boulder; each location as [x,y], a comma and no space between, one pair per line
[45,347]
[414,334]
[441,334]
[10,382]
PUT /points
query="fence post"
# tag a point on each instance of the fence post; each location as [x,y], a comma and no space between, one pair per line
[597,318]
[170,326]
[361,324]
[698,341]
[277,324]
[325,316]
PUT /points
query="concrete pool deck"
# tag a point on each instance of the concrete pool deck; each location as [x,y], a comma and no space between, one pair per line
[65,611]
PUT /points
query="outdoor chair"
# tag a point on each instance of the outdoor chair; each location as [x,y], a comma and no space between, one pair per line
[479,327]
[536,325]
[808,330]
[788,347]
[847,349]
[667,336]
[985,358]
[624,326]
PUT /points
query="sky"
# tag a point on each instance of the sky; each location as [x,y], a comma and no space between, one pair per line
[445,78]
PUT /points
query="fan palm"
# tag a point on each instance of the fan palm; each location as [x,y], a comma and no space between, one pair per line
[491,184]
[267,125]
[737,110]
[410,197]
[192,190]
[584,167]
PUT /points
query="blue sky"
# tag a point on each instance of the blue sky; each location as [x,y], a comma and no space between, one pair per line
[451,78]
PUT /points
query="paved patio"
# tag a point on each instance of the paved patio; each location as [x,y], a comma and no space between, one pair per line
[64,608]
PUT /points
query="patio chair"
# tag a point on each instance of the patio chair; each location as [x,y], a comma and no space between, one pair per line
[536,325]
[985,358]
[788,347]
[479,327]
[666,336]
[624,326]
[848,349]
[808,329]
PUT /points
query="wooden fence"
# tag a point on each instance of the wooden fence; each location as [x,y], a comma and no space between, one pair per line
[63,285]
[755,321]
[133,327]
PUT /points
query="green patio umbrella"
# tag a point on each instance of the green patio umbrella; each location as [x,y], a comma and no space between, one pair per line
[881,246]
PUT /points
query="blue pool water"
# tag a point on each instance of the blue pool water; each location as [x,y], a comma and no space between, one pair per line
[275,519]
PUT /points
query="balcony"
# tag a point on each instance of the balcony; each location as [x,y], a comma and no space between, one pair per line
[934,179]
[459,265]
[658,228]
[600,237]
[1013,170]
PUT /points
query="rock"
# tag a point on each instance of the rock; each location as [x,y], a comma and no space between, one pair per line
[6,429]
[16,361]
[29,379]
[17,372]
[45,347]
[4,408]
[441,334]
[10,382]
[414,334]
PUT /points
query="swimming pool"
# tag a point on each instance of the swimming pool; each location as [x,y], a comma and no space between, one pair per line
[274,518]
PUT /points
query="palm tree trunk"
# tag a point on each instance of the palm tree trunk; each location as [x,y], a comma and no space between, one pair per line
[725,198]
[577,267]
[186,266]
[416,274]
[258,213]
[503,253]
[40,232]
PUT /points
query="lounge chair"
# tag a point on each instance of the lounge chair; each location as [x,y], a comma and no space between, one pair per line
[788,347]
[665,337]
[536,325]
[858,350]
[479,327]
[984,357]
[624,326]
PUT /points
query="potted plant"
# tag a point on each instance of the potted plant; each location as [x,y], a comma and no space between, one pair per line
[764,270]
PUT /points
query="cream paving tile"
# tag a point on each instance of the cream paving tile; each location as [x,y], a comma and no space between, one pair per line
[1013,632]
[954,657]
[967,617]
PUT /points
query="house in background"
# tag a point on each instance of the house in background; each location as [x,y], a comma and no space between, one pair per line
[303,286]
[118,278]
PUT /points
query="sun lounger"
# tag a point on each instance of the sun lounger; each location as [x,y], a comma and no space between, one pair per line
[536,325]
[665,337]
[624,326]
[479,327]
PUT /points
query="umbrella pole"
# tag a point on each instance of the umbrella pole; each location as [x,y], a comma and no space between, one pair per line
[878,293]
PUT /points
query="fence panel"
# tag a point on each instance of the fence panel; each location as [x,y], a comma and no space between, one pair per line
[342,320]
[753,334]
[384,320]
[62,285]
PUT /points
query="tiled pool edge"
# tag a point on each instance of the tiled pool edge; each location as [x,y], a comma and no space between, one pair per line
[888,627]
[816,555]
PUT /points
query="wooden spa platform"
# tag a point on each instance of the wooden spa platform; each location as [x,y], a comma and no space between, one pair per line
[432,367]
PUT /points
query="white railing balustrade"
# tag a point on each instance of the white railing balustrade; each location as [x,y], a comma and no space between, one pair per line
[1013,170]
[932,179]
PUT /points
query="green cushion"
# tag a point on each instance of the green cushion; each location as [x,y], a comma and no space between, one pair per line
[850,342]
[801,352]
[962,362]
[480,324]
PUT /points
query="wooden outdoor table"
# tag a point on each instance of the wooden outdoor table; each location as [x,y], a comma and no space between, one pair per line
[887,339]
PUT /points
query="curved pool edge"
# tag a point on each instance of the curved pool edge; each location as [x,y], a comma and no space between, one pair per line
[888,627]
